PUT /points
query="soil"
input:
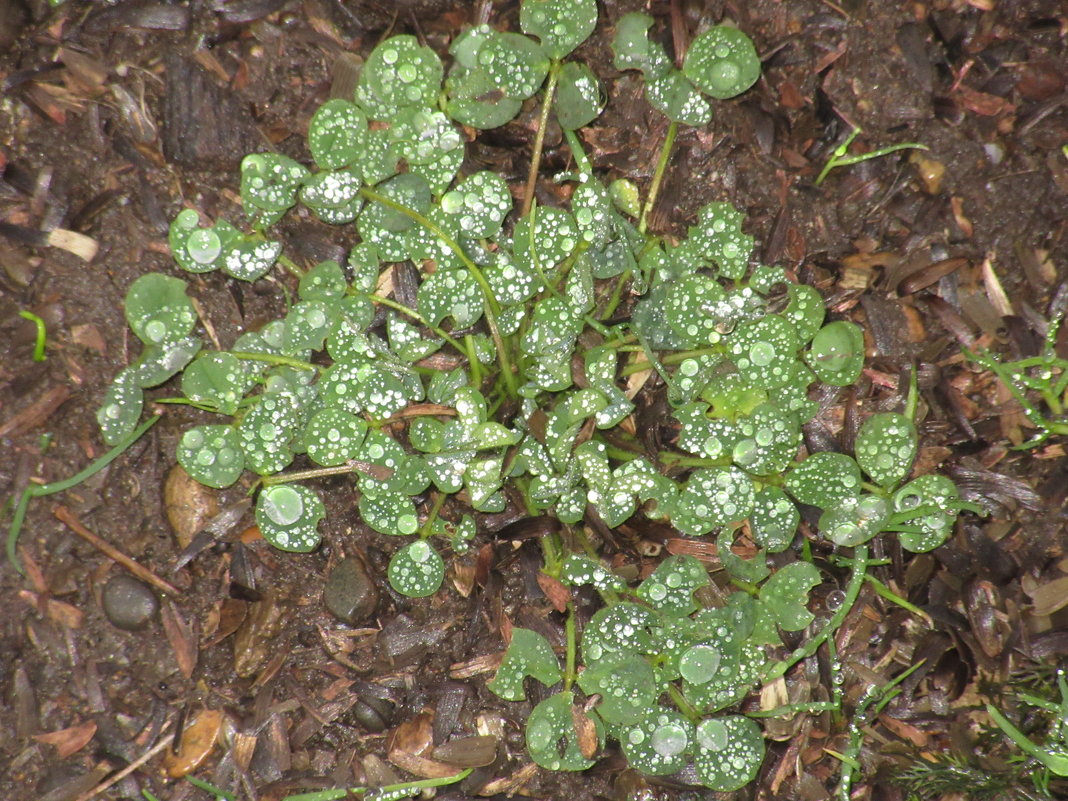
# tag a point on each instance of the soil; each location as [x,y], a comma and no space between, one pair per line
[964,243]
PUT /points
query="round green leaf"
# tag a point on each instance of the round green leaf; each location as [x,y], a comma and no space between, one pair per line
[658,743]
[671,586]
[678,99]
[333,436]
[324,281]
[399,72]
[774,519]
[270,181]
[212,455]
[248,258]
[578,98]
[450,293]
[728,752]
[837,353]
[805,310]
[554,236]
[389,513]
[336,134]
[620,628]
[333,191]
[886,447]
[768,439]
[515,64]
[481,201]
[551,737]
[158,363]
[722,61]
[120,410]
[561,25]
[416,570]
[267,432]
[626,684]
[925,503]
[824,479]
[196,249]
[854,521]
[529,654]
[288,516]
[632,49]
[217,380]
[158,309]
[713,497]
[785,594]
[475,100]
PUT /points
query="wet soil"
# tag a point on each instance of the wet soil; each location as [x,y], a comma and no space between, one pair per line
[115,116]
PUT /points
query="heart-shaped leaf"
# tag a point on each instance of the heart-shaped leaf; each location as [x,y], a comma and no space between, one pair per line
[578,99]
[288,516]
[886,447]
[528,654]
[837,353]
[728,752]
[158,309]
[336,134]
[120,410]
[658,743]
[824,479]
[785,594]
[416,570]
[671,586]
[561,25]
[552,739]
[722,61]
[626,684]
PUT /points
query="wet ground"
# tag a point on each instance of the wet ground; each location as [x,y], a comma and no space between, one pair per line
[113,116]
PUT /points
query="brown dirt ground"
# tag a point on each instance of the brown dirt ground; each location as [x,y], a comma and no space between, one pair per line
[83,122]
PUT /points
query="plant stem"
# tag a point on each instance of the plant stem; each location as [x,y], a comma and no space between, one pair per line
[572,647]
[490,306]
[579,152]
[412,313]
[290,265]
[539,138]
[658,176]
[41,490]
[856,581]
[41,335]
[275,359]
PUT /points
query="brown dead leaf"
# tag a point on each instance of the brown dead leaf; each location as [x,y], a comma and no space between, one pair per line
[70,740]
[585,731]
[905,731]
[559,595]
[182,638]
[197,741]
[1049,597]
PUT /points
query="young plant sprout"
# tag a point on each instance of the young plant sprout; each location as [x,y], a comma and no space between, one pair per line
[536,405]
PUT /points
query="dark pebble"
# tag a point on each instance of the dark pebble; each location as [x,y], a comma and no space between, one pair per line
[350,592]
[128,603]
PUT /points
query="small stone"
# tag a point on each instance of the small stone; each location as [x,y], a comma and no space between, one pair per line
[350,592]
[128,603]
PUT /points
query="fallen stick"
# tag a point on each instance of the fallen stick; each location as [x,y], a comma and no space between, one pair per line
[63,514]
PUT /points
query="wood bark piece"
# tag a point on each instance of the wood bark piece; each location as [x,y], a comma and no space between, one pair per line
[205,126]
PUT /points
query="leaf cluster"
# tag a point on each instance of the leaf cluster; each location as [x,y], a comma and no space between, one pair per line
[533,397]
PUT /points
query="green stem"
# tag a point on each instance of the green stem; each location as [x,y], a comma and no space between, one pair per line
[658,176]
[275,359]
[41,490]
[856,581]
[439,501]
[290,265]
[415,786]
[490,306]
[572,647]
[539,138]
[316,472]
[579,152]
[840,159]
[42,334]
[413,314]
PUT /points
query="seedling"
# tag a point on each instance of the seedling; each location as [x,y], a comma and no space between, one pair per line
[840,159]
[41,335]
[1045,375]
[343,384]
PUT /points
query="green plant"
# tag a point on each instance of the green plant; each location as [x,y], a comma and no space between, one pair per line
[535,400]
[1045,375]
[840,159]
[1052,755]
